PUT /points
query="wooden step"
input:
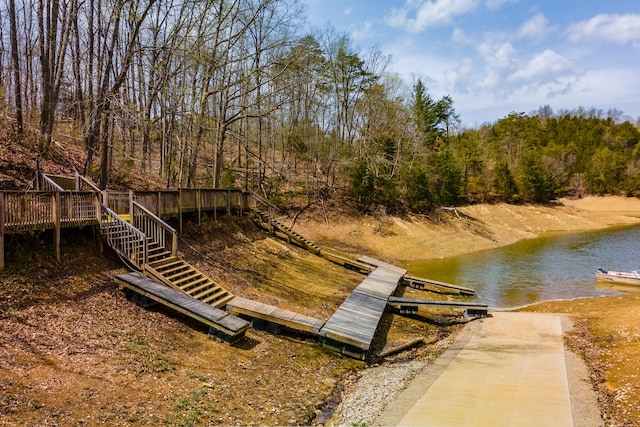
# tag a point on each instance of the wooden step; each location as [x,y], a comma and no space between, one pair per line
[174,268]
[158,256]
[185,279]
[179,274]
[212,288]
[163,264]
[214,297]
[198,285]
[222,302]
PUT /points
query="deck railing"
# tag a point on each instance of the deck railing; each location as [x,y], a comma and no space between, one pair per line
[58,207]
[48,184]
[159,233]
[123,237]
[64,183]
[26,211]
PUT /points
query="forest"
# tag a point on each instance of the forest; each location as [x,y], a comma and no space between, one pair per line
[242,93]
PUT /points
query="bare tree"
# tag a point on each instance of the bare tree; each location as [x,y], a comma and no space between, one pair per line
[15,56]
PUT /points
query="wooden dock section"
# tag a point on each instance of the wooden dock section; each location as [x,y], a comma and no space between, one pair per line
[410,305]
[222,325]
[271,318]
[353,326]
[420,283]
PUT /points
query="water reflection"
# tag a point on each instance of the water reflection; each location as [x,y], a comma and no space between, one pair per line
[555,266]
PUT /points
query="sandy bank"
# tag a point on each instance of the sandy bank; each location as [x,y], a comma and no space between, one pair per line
[466,229]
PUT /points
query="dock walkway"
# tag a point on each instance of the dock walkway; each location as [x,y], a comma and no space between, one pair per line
[269,317]
[222,325]
[352,328]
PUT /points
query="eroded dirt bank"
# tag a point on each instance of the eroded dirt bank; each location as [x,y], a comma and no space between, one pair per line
[74,351]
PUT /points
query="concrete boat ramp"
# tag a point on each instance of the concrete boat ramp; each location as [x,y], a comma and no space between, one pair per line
[508,370]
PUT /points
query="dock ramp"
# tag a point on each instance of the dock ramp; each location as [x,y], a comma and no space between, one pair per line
[271,318]
[222,325]
[352,328]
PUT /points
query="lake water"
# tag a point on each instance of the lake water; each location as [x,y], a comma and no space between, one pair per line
[554,266]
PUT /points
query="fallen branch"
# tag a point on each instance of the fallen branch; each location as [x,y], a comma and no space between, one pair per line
[395,350]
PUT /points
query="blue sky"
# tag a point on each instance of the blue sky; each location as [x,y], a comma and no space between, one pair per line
[494,57]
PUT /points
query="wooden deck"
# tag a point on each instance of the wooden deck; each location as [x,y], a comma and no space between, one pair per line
[256,310]
[352,328]
[222,325]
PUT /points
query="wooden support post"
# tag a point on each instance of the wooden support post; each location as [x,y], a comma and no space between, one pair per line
[99,219]
[229,202]
[2,217]
[180,208]
[56,222]
[198,205]
[131,221]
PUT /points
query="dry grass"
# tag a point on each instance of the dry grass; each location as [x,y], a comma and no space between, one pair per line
[607,336]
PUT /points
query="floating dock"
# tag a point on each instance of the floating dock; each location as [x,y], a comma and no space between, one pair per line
[353,326]
[271,318]
[410,305]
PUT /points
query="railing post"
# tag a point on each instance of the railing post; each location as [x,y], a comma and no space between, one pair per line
[2,209]
[180,208]
[99,220]
[56,222]
[131,220]
[198,205]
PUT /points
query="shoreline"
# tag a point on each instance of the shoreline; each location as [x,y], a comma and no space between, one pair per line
[583,353]
[466,229]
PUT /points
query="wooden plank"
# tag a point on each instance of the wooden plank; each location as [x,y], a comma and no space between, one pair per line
[381,264]
[462,289]
[381,283]
[398,301]
[356,321]
[183,303]
[274,314]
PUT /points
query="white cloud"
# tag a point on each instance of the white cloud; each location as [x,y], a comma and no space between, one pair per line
[363,32]
[535,28]
[608,27]
[496,4]
[543,67]
[460,38]
[417,15]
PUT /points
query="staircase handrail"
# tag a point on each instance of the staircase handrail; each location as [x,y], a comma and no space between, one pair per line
[49,185]
[135,251]
[88,182]
[162,227]
[265,202]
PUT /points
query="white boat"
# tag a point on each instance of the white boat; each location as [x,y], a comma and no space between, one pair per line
[627,278]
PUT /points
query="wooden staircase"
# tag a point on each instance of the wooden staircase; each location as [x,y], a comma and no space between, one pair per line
[149,245]
[264,220]
[182,276]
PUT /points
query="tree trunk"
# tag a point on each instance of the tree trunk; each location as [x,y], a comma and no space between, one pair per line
[16,64]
